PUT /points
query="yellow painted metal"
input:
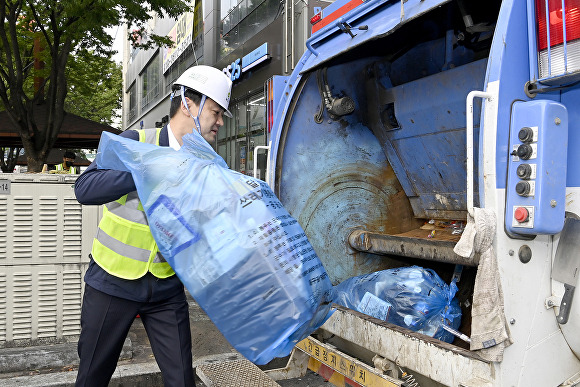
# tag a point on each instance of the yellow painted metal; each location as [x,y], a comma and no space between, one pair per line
[346,365]
[336,379]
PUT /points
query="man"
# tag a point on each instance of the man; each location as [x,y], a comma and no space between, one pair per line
[68,160]
[127,275]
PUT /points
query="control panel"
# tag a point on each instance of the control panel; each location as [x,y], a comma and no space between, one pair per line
[536,186]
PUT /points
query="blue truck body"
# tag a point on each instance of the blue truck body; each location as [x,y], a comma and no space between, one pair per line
[404,117]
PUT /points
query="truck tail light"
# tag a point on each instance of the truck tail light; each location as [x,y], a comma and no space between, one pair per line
[269,104]
[316,18]
[558,37]
[319,20]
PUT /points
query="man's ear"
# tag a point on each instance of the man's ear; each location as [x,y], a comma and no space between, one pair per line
[192,108]
[184,108]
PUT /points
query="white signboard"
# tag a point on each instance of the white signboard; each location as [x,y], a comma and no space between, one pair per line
[182,35]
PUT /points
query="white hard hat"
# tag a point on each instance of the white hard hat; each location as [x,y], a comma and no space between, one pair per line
[208,81]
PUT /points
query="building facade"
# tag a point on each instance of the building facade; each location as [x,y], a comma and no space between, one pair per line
[251,40]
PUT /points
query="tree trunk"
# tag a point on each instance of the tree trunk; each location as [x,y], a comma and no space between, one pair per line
[34,164]
[11,158]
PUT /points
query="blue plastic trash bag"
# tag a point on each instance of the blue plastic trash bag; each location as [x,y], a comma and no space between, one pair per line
[243,258]
[410,297]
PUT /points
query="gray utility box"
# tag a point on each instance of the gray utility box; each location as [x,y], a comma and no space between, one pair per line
[45,240]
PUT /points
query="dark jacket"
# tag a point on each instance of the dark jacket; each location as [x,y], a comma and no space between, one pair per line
[99,186]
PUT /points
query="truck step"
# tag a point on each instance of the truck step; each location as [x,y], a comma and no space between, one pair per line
[233,373]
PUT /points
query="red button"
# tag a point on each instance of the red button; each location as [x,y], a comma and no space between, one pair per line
[521,214]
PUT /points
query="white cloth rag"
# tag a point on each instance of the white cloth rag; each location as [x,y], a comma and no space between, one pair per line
[490,333]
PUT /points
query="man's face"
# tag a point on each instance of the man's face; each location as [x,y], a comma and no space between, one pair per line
[68,160]
[211,119]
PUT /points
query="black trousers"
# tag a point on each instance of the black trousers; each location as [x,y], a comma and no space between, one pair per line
[105,323]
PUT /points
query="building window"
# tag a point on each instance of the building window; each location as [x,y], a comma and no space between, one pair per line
[242,19]
[185,61]
[132,103]
[151,78]
[242,133]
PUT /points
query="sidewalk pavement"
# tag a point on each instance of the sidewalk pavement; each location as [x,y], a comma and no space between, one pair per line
[55,365]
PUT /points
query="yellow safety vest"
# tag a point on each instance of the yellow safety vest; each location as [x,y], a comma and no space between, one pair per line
[124,246]
[60,167]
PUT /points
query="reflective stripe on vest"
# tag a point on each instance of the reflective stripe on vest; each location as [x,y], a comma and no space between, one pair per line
[124,246]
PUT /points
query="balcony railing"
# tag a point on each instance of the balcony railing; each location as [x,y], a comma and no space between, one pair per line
[151,96]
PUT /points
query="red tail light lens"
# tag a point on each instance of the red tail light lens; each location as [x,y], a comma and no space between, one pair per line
[556,22]
[269,104]
[316,18]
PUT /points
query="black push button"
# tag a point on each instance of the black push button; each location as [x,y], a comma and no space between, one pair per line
[526,134]
[525,151]
[523,188]
[524,171]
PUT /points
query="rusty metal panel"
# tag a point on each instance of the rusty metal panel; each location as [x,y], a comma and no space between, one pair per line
[427,144]
[439,361]
[414,246]
[334,178]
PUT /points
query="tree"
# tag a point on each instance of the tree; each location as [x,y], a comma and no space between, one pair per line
[95,95]
[8,158]
[36,42]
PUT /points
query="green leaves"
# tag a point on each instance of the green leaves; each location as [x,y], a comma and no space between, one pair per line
[71,67]
[95,87]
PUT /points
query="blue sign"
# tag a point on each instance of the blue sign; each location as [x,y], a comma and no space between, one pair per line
[255,57]
[235,69]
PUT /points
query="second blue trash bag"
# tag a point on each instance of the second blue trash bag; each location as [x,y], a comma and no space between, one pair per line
[411,297]
[243,258]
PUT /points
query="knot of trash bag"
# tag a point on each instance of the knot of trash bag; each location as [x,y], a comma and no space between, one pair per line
[446,312]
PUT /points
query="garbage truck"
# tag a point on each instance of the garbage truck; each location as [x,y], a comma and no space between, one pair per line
[441,134]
